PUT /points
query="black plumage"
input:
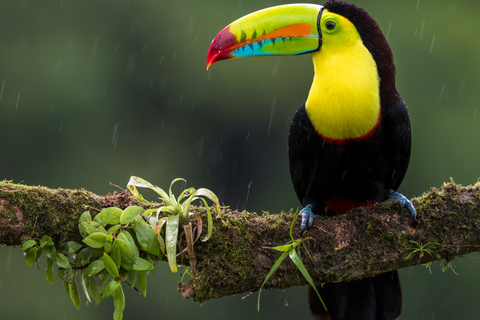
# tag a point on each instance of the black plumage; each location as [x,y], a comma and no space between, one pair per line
[336,176]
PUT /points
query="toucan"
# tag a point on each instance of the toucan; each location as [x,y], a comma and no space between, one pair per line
[349,141]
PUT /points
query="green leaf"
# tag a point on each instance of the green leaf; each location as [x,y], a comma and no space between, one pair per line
[171,241]
[28,244]
[108,216]
[93,226]
[118,303]
[85,217]
[49,271]
[50,252]
[91,286]
[104,287]
[65,274]
[139,182]
[73,246]
[94,268]
[73,291]
[114,228]
[132,276]
[110,265]
[83,257]
[116,255]
[129,214]
[31,256]
[298,262]
[126,252]
[83,284]
[284,248]
[65,286]
[148,211]
[37,257]
[127,237]
[142,265]
[142,282]
[112,286]
[62,261]
[209,221]
[46,241]
[117,315]
[107,247]
[146,237]
[96,240]
[270,273]
[186,193]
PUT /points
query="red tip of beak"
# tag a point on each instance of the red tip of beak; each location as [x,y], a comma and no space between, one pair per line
[221,47]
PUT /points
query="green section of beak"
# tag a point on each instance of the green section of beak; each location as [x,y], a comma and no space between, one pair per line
[282,30]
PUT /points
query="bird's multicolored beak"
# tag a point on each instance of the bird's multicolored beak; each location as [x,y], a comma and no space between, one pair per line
[282,30]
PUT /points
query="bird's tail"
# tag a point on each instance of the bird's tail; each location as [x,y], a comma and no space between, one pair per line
[376,298]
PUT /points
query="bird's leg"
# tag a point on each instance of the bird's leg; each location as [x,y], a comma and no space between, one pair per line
[307,218]
[404,202]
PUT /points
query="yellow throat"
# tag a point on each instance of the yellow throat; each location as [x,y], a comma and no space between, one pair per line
[344,100]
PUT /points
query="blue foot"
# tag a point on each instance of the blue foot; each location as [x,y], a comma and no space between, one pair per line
[307,218]
[404,202]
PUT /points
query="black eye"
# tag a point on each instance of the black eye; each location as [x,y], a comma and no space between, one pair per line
[330,25]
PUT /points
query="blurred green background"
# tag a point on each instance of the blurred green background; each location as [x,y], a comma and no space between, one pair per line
[93,92]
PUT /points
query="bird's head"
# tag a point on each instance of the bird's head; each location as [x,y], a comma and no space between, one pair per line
[351,57]
[295,29]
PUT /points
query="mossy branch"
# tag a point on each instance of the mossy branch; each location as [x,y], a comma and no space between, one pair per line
[363,243]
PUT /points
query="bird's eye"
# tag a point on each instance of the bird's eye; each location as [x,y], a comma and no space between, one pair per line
[330,25]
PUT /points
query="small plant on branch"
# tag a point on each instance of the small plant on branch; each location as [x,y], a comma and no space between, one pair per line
[122,246]
[290,249]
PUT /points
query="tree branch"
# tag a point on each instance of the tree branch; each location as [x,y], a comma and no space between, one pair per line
[360,244]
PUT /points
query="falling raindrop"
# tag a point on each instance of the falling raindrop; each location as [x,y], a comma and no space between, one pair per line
[59,64]
[422,27]
[475,112]
[115,135]
[248,190]
[389,28]
[431,46]
[418,4]
[199,147]
[248,135]
[61,125]
[272,112]
[18,99]
[442,91]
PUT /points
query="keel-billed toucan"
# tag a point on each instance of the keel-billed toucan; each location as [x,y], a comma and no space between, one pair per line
[349,142]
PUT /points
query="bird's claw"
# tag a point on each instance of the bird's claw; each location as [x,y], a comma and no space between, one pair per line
[404,202]
[307,218]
